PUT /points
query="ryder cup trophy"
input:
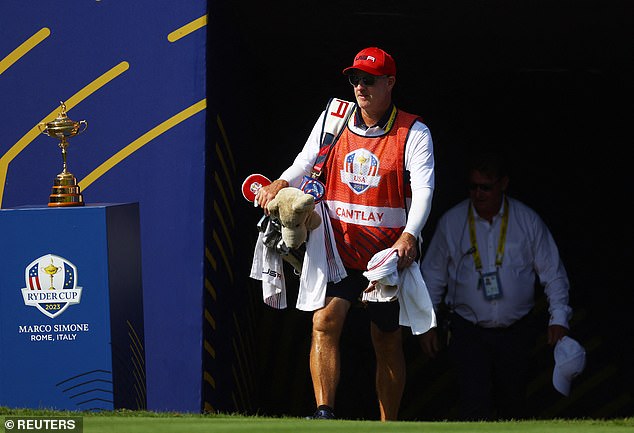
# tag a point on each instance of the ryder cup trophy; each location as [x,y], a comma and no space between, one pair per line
[65,191]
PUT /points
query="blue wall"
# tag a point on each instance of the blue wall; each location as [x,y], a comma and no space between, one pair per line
[136,72]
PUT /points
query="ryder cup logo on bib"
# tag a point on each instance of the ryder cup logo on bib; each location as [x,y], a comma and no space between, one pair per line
[360,170]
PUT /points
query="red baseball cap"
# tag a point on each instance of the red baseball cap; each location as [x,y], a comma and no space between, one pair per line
[374,61]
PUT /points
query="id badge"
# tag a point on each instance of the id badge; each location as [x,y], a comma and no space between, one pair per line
[491,286]
[313,187]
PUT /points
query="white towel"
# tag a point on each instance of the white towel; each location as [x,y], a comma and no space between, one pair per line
[268,267]
[322,265]
[416,309]
[382,269]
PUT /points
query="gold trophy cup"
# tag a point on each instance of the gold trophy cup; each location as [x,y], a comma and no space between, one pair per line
[65,191]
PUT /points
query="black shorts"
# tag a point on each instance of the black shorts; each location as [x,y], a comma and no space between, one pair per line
[383,314]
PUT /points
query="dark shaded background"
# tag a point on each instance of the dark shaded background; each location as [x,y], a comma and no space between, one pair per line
[549,81]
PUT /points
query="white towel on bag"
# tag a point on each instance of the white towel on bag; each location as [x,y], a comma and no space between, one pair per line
[322,265]
[268,267]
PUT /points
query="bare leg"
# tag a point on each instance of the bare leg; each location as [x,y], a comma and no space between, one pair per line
[390,370]
[324,350]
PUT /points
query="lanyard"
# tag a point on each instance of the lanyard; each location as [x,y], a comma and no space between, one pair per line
[499,255]
[390,121]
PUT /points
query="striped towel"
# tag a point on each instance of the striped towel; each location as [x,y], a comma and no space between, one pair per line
[415,308]
[382,269]
[268,267]
[322,264]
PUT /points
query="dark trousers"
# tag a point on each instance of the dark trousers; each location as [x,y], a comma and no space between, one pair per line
[492,367]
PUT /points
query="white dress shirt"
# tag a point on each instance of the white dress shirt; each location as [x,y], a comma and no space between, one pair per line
[530,252]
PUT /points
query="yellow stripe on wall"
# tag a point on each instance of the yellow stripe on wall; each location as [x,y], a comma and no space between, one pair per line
[23,48]
[140,142]
[187,29]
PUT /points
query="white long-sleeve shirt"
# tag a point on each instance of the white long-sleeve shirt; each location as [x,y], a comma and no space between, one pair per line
[419,161]
[530,251]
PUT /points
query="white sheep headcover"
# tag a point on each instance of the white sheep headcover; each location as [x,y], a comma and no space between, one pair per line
[296,212]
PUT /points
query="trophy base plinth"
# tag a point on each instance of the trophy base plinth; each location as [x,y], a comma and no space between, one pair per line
[65,192]
[60,200]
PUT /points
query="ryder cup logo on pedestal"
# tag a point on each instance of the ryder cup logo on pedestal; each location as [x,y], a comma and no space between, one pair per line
[51,285]
[360,170]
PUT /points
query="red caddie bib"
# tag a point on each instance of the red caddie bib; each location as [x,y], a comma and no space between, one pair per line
[365,191]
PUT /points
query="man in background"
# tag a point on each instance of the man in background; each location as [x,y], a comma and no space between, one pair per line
[482,265]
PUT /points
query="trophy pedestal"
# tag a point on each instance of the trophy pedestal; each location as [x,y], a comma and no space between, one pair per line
[65,191]
[91,355]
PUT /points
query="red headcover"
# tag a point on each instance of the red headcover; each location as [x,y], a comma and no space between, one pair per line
[252,185]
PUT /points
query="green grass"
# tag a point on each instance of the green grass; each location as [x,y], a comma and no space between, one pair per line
[164,422]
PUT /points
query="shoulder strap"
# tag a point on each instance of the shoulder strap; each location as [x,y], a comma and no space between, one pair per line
[337,114]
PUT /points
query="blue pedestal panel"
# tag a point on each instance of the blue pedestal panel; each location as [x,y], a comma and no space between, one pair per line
[71,308]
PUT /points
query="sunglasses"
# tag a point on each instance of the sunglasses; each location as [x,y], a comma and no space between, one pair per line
[484,187]
[366,80]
